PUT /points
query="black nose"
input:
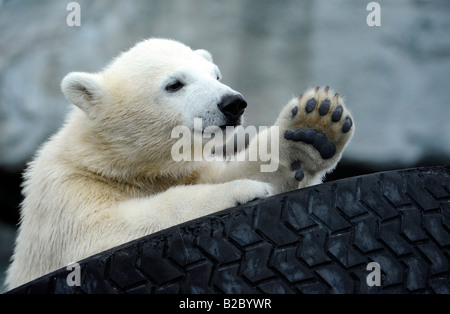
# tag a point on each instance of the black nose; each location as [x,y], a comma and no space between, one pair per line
[232,106]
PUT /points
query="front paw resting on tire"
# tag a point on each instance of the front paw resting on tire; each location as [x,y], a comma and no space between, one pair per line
[314,130]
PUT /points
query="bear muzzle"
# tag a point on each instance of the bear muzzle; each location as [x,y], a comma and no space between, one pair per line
[232,107]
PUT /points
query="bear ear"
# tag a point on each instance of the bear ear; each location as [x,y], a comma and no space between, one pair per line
[205,54]
[83,89]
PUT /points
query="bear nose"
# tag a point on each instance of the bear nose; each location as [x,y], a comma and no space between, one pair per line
[232,106]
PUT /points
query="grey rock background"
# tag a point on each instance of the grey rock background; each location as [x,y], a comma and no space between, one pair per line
[395,78]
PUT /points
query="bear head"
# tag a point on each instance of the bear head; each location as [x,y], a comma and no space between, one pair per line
[137,100]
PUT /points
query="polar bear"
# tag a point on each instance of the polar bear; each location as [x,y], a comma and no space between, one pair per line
[108,176]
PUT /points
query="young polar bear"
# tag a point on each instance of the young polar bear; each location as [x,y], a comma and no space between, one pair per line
[108,176]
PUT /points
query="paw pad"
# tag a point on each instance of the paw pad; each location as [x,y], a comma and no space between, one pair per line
[310,105]
[347,125]
[324,107]
[296,165]
[299,175]
[318,140]
[337,114]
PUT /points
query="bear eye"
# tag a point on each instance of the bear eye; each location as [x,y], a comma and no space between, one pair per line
[175,86]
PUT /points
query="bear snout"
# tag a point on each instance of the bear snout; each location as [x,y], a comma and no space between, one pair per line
[232,106]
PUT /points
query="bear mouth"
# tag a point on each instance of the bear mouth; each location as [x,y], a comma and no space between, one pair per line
[224,127]
[233,123]
[202,128]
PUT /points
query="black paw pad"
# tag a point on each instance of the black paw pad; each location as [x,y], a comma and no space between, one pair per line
[296,165]
[310,105]
[337,114]
[294,111]
[299,175]
[305,136]
[347,125]
[318,140]
[324,107]
[289,135]
[327,150]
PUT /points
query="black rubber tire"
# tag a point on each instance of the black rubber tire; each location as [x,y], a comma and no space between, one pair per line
[314,240]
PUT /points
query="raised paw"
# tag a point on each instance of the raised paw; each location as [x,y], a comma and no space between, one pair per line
[315,128]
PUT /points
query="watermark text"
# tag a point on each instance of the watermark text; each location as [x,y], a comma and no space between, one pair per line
[374,17]
[74,17]
[210,143]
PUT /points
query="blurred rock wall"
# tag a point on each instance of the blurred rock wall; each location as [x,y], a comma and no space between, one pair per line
[395,78]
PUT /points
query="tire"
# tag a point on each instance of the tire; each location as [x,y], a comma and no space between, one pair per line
[318,239]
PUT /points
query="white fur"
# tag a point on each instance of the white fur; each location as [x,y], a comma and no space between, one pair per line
[107,177]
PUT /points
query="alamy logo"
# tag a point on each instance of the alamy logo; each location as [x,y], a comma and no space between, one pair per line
[74,277]
[192,147]
[374,17]
[74,17]
[374,278]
